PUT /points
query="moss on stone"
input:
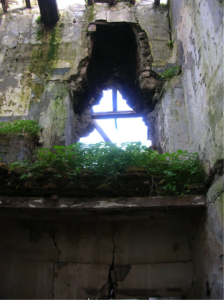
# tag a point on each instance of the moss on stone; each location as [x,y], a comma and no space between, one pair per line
[40,35]
[44,56]
[220,199]
[91,13]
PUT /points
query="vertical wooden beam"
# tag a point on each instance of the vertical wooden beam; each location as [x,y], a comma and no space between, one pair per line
[5,5]
[114,97]
[157,2]
[28,4]
[49,11]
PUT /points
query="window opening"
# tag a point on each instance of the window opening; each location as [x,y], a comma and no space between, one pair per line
[158,2]
[116,121]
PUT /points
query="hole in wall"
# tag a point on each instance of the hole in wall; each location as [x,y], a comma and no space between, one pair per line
[119,58]
[117,130]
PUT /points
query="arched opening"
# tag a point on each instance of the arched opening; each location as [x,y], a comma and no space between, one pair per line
[119,58]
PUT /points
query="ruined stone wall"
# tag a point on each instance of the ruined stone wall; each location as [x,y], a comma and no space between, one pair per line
[189,116]
[71,259]
[39,66]
[193,103]
[206,240]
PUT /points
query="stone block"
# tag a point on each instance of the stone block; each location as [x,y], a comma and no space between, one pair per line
[15,147]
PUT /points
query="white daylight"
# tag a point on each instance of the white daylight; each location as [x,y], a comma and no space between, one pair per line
[128,129]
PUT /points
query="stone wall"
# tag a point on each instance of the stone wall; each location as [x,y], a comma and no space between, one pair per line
[37,62]
[43,259]
[189,116]
[37,67]
[207,245]
[193,103]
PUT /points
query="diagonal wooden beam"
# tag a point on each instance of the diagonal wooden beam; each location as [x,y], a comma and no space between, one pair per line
[101,132]
[114,98]
[49,11]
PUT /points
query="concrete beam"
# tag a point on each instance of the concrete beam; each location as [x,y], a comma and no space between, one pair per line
[102,204]
[49,11]
[126,208]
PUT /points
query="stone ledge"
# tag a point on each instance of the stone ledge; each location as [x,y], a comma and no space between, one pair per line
[102,204]
[99,208]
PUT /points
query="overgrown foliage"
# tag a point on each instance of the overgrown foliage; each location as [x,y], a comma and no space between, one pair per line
[170,173]
[169,73]
[38,19]
[170,44]
[21,126]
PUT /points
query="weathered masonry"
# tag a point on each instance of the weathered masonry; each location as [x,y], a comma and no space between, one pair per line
[74,244]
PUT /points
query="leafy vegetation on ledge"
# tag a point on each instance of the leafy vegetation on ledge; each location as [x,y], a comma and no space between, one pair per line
[171,174]
[21,126]
[169,73]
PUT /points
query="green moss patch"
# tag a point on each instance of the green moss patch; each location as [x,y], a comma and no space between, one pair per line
[44,56]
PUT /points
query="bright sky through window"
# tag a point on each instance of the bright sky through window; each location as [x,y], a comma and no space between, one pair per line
[64,3]
[129,129]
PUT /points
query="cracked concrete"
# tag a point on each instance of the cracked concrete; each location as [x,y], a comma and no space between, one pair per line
[112,277]
[55,244]
[159,255]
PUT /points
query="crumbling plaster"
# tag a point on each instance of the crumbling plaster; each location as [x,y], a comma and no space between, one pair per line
[193,105]
[34,58]
[190,116]
[35,65]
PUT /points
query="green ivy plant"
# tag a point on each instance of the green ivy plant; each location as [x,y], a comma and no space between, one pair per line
[21,126]
[169,73]
[38,19]
[170,173]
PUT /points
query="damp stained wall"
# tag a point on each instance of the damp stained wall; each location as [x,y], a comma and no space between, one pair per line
[36,61]
[35,65]
[189,116]
[191,108]
[71,259]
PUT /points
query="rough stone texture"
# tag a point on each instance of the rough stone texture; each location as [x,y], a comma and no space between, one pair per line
[56,116]
[32,57]
[15,147]
[168,123]
[207,245]
[189,116]
[199,109]
[184,250]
